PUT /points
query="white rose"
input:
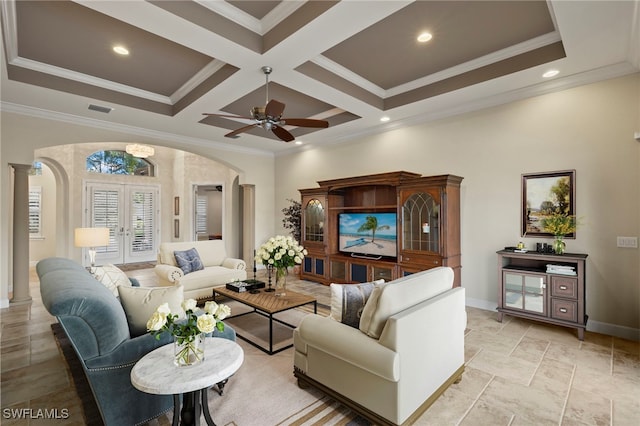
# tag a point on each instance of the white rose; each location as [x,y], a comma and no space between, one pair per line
[291,252]
[156,322]
[223,312]
[277,256]
[297,259]
[189,305]
[210,307]
[164,309]
[206,323]
[271,262]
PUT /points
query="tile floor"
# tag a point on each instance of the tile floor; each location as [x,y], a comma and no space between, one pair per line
[518,372]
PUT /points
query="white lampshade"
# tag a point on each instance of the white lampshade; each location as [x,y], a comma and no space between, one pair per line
[91,237]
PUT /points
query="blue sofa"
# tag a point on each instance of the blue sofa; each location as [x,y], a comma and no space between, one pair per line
[96,324]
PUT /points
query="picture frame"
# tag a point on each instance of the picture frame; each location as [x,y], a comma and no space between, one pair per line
[543,193]
[176,228]
[176,206]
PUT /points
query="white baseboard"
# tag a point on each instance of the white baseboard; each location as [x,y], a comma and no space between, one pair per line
[621,331]
[481,304]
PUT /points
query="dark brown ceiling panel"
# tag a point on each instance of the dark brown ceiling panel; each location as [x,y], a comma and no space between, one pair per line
[207,19]
[330,79]
[68,33]
[298,19]
[462,31]
[203,88]
[530,59]
[86,90]
[257,9]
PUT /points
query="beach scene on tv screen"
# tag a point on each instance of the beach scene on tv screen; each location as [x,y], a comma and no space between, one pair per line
[368,233]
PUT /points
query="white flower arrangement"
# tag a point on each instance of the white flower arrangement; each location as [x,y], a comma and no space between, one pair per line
[280,252]
[186,329]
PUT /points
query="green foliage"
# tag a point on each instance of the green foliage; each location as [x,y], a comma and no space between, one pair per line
[293,218]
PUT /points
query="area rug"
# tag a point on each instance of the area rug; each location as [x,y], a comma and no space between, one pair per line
[262,392]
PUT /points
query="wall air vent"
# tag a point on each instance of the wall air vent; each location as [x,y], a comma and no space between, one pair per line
[100,108]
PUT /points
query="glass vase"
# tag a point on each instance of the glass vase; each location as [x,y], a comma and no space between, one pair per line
[188,350]
[559,245]
[281,281]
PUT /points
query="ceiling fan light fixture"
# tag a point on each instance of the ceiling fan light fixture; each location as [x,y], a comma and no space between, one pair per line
[140,151]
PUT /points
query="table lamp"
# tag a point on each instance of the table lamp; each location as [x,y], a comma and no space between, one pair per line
[91,238]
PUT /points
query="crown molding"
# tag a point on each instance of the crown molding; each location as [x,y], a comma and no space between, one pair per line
[123,128]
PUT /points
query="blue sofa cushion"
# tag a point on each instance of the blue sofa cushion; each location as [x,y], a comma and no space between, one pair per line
[188,260]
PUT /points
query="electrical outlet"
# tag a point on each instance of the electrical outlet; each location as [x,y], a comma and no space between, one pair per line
[628,242]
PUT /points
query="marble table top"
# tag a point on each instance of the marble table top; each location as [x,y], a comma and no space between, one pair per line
[156,373]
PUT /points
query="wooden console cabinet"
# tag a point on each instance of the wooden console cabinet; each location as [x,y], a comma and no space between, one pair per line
[528,289]
[417,201]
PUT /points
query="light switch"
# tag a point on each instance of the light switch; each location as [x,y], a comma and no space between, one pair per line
[628,242]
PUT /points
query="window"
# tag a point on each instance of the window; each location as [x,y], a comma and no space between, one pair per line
[117,162]
[201,214]
[35,212]
[36,169]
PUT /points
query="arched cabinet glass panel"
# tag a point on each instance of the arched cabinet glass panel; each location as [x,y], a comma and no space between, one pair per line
[314,221]
[421,223]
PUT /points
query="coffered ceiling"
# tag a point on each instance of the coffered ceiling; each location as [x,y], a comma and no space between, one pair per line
[348,62]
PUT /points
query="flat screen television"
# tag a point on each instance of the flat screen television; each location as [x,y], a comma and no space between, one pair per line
[370,234]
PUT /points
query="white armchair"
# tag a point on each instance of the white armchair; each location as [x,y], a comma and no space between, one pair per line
[408,350]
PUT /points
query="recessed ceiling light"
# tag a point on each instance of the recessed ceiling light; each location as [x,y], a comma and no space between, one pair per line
[298,142]
[121,50]
[424,37]
[551,73]
[384,119]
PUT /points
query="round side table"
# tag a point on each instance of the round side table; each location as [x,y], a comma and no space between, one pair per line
[156,373]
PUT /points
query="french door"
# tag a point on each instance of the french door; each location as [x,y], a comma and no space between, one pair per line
[131,214]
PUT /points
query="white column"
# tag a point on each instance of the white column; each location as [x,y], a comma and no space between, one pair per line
[21,292]
[248,225]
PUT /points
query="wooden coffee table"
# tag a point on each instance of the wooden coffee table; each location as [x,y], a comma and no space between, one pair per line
[267,304]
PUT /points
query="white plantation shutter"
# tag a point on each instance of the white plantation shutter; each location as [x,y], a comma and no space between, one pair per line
[142,220]
[201,214]
[106,214]
[35,211]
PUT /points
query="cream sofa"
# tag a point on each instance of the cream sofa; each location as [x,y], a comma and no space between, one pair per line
[408,349]
[218,268]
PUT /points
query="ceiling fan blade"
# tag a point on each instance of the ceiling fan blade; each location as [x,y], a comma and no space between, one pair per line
[282,133]
[227,116]
[240,130]
[305,122]
[274,108]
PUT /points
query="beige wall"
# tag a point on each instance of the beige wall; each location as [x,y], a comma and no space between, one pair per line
[589,129]
[22,135]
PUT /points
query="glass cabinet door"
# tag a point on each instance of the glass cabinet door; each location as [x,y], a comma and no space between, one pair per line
[524,291]
[314,221]
[420,223]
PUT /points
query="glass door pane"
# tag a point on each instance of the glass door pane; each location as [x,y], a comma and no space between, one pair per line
[420,223]
[314,221]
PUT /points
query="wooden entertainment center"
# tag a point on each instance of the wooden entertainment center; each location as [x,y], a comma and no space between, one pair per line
[427,212]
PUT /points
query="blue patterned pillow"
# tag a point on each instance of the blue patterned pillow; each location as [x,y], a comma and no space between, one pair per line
[188,260]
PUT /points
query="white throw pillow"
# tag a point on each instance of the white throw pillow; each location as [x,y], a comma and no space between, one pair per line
[140,303]
[111,277]
[348,300]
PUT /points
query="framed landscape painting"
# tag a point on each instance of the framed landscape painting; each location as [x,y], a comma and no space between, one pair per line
[544,194]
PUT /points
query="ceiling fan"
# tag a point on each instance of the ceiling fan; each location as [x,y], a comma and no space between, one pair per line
[269,117]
